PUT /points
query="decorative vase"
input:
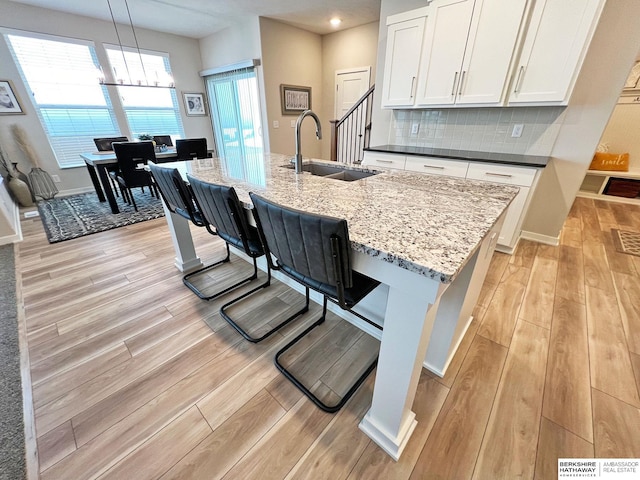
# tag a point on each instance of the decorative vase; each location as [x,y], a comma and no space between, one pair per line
[18,174]
[20,190]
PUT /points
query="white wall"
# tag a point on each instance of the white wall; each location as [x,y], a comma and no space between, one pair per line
[291,56]
[185,62]
[621,133]
[352,48]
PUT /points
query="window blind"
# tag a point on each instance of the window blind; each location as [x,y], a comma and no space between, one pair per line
[62,77]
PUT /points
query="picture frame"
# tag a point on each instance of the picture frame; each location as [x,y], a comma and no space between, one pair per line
[294,99]
[9,103]
[632,84]
[194,104]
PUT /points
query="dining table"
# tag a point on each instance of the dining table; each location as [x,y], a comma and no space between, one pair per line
[428,239]
[98,164]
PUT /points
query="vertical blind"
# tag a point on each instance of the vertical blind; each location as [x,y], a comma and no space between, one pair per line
[235,112]
[62,77]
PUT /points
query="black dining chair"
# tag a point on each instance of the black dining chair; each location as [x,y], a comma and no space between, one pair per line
[222,209]
[105,144]
[132,157]
[190,148]
[163,140]
[313,250]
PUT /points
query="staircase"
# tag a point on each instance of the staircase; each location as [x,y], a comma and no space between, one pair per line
[351,134]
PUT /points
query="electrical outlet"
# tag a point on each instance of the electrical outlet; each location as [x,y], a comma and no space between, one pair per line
[414,128]
[293,124]
[56,178]
[517,130]
[276,124]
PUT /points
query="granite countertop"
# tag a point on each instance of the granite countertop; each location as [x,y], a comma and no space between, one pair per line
[427,224]
[469,155]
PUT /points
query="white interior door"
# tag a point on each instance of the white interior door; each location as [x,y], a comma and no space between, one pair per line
[350,86]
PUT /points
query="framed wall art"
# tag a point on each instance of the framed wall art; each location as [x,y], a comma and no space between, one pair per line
[194,104]
[294,99]
[8,101]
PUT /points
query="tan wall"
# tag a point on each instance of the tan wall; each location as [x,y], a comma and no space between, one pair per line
[291,56]
[185,62]
[609,58]
[352,48]
[621,133]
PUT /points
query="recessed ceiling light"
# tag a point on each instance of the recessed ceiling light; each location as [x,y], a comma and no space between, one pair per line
[335,22]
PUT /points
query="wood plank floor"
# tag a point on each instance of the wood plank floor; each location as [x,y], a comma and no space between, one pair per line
[133,376]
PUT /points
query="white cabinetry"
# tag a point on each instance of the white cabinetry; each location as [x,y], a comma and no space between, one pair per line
[384,160]
[557,38]
[479,52]
[512,175]
[523,177]
[468,51]
[10,231]
[402,58]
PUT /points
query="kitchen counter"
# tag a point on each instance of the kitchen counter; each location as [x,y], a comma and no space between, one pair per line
[468,155]
[428,240]
[424,223]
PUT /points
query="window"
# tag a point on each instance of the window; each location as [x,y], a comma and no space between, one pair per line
[148,110]
[235,113]
[62,76]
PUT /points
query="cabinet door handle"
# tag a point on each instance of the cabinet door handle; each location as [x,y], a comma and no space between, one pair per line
[504,175]
[464,72]
[517,87]
[433,166]
[413,81]
[384,161]
[453,87]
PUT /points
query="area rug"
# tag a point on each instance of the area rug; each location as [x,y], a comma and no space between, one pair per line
[626,242]
[12,448]
[75,216]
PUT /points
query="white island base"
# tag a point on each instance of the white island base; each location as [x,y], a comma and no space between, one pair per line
[424,321]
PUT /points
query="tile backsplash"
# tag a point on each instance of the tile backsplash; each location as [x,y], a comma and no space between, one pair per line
[479,129]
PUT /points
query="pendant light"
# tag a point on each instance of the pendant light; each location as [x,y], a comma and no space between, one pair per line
[162,80]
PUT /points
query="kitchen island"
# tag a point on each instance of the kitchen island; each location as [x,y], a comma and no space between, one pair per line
[428,239]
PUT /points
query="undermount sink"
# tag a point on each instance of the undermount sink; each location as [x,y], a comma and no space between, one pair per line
[336,172]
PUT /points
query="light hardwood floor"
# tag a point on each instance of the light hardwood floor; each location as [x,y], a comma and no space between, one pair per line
[134,377]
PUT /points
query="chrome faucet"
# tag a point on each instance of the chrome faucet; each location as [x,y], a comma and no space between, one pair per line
[298,157]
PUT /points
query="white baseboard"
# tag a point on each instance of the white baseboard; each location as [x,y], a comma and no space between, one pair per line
[75,191]
[538,237]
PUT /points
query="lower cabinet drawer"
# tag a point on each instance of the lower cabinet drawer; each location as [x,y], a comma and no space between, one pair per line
[508,174]
[437,166]
[384,160]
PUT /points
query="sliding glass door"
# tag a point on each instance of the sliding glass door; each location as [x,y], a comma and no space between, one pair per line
[235,113]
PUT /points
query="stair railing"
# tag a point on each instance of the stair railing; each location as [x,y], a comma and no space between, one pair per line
[351,134]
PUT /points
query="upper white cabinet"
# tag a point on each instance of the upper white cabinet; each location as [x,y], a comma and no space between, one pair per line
[557,38]
[487,52]
[468,50]
[404,42]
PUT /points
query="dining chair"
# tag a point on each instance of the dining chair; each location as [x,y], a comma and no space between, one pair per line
[163,140]
[190,148]
[222,209]
[132,157]
[313,250]
[105,144]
